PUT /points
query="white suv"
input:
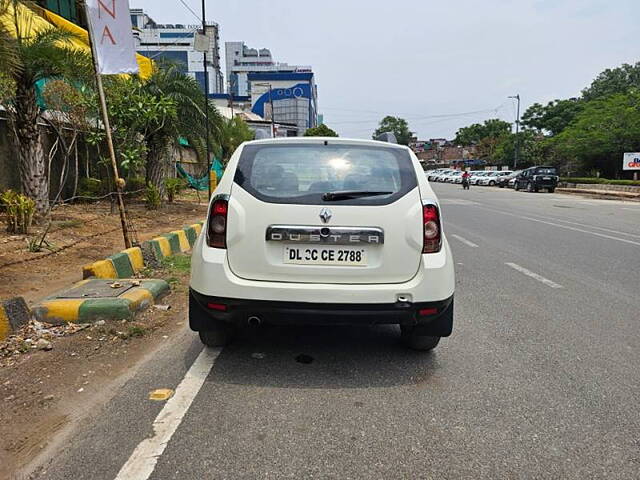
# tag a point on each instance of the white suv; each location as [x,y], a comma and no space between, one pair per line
[323,231]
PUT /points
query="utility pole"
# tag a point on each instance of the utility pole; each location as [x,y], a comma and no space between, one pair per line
[273,115]
[516,158]
[206,94]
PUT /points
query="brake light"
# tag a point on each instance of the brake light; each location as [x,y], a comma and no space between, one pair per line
[431,229]
[217,227]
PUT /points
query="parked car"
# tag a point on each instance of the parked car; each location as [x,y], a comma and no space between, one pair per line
[535,179]
[453,177]
[504,180]
[490,179]
[442,177]
[477,176]
[323,231]
[432,175]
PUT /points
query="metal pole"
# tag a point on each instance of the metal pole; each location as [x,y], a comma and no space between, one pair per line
[107,128]
[273,114]
[206,96]
[516,158]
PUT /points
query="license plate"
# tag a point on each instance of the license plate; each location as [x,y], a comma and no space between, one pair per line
[546,178]
[330,255]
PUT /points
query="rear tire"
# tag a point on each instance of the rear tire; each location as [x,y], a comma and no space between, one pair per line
[529,187]
[492,183]
[516,187]
[551,190]
[220,334]
[423,343]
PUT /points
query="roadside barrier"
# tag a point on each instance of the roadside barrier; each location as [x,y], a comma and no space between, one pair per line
[128,263]
[13,314]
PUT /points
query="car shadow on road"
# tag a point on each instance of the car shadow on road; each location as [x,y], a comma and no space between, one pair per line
[323,357]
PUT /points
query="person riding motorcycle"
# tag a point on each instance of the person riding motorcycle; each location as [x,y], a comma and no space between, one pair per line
[465,180]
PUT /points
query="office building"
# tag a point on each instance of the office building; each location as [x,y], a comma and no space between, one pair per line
[175,43]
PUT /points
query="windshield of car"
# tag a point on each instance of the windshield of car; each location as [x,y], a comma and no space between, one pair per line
[546,171]
[303,174]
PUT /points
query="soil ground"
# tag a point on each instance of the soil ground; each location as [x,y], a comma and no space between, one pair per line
[81,234]
[42,392]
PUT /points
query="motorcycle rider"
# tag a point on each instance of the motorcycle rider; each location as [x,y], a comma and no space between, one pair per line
[465,180]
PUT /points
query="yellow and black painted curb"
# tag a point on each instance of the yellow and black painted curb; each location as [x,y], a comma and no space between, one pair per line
[13,314]
[66,307]
[128,263]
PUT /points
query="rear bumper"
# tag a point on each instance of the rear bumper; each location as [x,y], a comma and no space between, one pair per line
[238,311]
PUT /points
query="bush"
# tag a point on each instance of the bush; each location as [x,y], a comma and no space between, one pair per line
[596,180]
[20,210]
[89,187]
[174,186]
[152,197]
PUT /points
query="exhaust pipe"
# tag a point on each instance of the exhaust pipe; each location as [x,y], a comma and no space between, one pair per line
[254,321]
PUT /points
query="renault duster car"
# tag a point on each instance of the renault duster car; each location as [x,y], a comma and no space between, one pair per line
[323,231]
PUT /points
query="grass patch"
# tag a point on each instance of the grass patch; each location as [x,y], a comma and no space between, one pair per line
[178,264]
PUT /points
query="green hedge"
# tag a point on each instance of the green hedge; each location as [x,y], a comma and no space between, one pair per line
[602,181]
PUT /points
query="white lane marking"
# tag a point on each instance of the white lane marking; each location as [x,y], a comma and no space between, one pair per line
[144,458]
[596,228]
[535,276]
[464,240]
[623,240]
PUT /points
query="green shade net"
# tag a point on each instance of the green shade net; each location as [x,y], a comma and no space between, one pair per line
[201,184]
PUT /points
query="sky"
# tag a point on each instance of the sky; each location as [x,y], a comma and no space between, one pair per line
[441,65]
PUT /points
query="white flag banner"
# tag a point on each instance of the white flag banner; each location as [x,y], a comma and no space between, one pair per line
[112,36]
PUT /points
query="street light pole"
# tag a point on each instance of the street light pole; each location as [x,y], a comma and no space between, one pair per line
[206,94]
[516,157]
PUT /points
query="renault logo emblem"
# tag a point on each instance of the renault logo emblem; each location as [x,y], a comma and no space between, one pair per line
[325,215]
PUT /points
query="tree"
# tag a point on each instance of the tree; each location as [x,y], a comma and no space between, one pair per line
[473,134]
[553,117]
[605,129]
[179,112]
[320,131]
[398,126]
[37,55]
[612,81]
[234,132]
[533,150]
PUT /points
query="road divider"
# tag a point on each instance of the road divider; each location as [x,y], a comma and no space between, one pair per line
[533,275]
[130,262]
[13,314]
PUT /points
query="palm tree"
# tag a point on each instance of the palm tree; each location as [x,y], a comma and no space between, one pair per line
[36,55]
[168,83]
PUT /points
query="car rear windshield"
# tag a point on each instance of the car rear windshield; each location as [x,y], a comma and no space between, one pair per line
[303,174]
[546,171]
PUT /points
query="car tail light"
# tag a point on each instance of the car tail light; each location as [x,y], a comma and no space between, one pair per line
[425,312]
[217,226]
[432,231]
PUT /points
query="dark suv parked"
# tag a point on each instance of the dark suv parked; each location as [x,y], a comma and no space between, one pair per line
[536,178]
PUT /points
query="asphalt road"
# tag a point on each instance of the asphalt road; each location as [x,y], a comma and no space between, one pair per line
[539,380]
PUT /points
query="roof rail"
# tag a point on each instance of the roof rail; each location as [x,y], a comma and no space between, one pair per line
[388,137]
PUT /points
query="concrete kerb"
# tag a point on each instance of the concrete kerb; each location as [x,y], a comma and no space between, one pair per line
[65,308]
[13,314]
[150,254]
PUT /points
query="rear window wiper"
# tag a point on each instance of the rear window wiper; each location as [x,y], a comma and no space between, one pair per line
[347,194]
